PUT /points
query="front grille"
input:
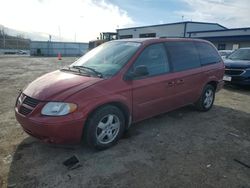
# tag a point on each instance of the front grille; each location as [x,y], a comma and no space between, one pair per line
[23,110]
[26,104]
[234,71]
[30,101]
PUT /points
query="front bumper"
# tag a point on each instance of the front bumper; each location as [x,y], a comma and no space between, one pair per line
[242,79]
[239,80]
[58,130]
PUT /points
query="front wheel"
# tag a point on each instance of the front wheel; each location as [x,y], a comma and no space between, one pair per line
[105,127]
[206,100]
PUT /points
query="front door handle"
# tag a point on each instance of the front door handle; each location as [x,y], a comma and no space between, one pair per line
[170,84]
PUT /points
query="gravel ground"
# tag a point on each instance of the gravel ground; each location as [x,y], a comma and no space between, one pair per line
[183,148]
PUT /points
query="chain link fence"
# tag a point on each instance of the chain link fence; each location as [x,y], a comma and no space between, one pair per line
[12,44]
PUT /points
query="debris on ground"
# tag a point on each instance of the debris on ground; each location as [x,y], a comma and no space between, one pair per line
[233,134]
[8,159]
[72,163]
[242,163]
[11,185]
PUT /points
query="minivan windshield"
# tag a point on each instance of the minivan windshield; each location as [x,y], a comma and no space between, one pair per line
[108,58]
[240,54]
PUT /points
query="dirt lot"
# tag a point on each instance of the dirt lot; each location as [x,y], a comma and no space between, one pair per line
[184,148]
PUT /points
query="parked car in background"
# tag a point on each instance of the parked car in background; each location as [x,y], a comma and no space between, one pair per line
[225,53]
[237,67]
[118,83]
[15,52]
[22,52]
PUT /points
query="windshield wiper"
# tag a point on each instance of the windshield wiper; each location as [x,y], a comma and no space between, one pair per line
[72,69]
[67,68]
[99,74]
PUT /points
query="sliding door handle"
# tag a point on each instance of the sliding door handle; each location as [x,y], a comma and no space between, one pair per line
[170,84]
[179,82]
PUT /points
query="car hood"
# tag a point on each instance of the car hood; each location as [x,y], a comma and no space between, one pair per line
[237,63]
[58,85]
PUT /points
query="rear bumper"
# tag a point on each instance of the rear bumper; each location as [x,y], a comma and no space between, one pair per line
[64,132]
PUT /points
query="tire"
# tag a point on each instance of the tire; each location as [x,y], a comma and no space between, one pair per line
[206,99]
[104,128]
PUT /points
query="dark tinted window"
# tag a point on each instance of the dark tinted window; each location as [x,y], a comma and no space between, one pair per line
[147,35]
[183,55]
[208,54]
[154,58]
[125,36]
[221,46]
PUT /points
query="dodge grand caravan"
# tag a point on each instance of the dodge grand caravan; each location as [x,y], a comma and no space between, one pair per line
[99,96]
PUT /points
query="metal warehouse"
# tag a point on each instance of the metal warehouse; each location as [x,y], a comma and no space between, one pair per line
[228,39]
[49,48]
[222,37]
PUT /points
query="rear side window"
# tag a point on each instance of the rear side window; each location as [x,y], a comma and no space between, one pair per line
[183,55]
[154,57]
[208,54]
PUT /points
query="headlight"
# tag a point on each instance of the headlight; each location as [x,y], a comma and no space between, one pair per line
[58,108]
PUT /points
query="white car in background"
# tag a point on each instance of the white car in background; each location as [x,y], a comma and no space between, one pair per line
[225,53]
[22,52]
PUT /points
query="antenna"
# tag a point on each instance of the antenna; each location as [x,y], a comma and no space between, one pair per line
[59,32]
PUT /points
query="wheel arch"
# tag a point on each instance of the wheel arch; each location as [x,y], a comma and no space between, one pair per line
[213,83]
[120,105]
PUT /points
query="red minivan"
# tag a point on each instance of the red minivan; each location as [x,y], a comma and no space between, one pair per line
[116,84]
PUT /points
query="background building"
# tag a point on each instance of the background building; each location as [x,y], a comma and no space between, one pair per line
[49,48]
[222,37]
[229,39]
[180,29]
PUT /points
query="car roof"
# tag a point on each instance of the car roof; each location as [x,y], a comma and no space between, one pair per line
[155,40]
[225,50]
[248,48]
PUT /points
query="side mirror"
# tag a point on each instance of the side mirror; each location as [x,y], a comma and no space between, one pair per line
[139,71]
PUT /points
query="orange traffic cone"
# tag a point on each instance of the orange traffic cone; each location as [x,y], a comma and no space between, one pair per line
[59,57]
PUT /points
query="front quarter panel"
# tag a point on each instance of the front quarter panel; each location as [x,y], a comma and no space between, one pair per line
[108,91]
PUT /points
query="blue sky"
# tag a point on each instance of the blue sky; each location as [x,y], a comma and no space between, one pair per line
[83,20]
[231,13]
[147,12]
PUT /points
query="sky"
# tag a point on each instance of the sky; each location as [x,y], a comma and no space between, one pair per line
[83,20]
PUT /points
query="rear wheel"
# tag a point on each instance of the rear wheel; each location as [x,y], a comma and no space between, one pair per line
[105,127]
[206,100]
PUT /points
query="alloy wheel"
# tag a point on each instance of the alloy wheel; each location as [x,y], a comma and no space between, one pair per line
[209,97]
[108,129]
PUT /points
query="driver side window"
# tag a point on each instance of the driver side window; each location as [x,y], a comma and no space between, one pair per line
[154,57]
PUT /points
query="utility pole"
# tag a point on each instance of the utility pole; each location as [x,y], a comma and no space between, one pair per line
[59,30]
[49,42]
[17,41]
[3,38]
